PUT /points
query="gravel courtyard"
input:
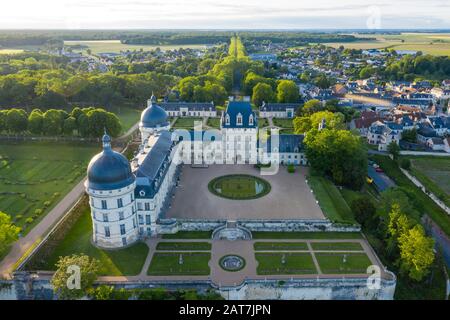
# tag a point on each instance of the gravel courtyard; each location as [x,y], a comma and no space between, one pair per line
[289,198]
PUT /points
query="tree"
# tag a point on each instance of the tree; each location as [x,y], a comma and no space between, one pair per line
[410,135]
[393,149]
[35,121]
[366,72]
[53,122]
[312,106]
[405,164]
[302,125]
[70,124]
[8,232]
[16,120]
[364,210]
[262,92]
[287,92]
[88,274]
[322,81]
[416,252]
[113,126]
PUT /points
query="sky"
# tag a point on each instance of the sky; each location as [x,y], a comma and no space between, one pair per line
[224,14]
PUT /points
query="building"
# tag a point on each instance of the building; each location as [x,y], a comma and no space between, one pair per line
[278,110]
[382,134]
[189,109]
[127,199]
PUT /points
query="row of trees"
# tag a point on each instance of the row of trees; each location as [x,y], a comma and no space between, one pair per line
[8,232]
[86,122]
[411,67]
[286,91]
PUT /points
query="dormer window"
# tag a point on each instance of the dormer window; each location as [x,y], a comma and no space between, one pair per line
[227,119]
[239,119]
[250,120]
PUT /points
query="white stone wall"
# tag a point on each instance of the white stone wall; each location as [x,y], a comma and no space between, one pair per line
[240,145]
[113,217]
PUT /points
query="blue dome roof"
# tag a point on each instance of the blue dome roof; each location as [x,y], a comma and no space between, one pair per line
[109,170]
[154,116]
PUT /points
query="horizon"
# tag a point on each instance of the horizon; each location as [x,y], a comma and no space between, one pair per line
[210,15]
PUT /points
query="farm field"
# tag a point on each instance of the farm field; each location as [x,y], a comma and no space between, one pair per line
[115,46]
[35,176]
[428,43]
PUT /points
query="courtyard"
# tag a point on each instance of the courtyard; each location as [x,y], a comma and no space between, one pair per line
[289,197]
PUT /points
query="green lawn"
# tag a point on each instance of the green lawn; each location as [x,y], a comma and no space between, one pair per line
[192,246]
[214,123]
[263,122]
[336,246]
[239,187]
[186,123]
[422,202]
[128,261]
[167,264]
[434,174]
[332,263]
[294,263]
[283,123]
[32,173]
[189,235]
[128,116]
[272,246]
[305,235]
[330,200]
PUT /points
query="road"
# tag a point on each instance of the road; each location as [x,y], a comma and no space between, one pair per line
[25,244]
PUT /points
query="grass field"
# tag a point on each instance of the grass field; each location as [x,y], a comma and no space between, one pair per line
[128,116]
[343,262]
[434,174]
[35,176]
[168,264]
[263,122]
[283,123]
[214,123]
[272,246]
[422,202]
[188,235]
[186,123]
[305,235]
[128,261]
[182,246]
[330,200]
[294,263]
[336,246]
[99,46]
[429,43]
[239,187]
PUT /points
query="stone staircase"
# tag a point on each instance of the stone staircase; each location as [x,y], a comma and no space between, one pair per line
[231,231]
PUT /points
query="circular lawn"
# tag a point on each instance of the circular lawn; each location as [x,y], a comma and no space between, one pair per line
[239,187]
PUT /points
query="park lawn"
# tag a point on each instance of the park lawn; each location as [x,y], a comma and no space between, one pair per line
[294,263]
[189,235]
[330,200]
[333,246]
[128,116]
[305,235]
[32,173]
[186,123]
[190,246]
[434,174]
[213,123]
[333,263]
[283,123]
[422,202]
[272,246]
[263,122]
[168,264]
[128,261]
[239,186]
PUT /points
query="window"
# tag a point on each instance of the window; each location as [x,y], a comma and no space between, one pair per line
[124,241]
[104,206]
[122,229]
[119,203]
[121,215]
[139,206]
[131,197]
[105,217]
[250,120]
[239,119]
[147,219]
[141,219]
[107,232]
[147,206]
[95,228]
[227,119]
[134,223]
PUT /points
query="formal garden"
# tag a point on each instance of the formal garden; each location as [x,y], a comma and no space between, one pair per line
[35,176]
[239,187]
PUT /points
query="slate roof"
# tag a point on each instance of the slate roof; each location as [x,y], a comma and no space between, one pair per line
[288,143]
[239,107]
[278,106]
[152,170]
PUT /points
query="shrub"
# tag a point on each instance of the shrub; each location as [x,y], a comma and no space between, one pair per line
[29,220]
[47,203]
[18,217]
[38,212]
[291,168]
[405,164]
